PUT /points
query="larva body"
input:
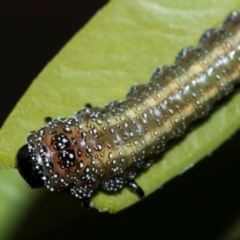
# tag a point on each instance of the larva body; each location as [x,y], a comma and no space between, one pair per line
[108,146]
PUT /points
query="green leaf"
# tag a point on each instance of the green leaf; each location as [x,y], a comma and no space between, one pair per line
[122,45]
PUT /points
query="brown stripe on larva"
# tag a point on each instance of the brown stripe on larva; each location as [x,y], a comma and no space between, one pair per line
[107,146]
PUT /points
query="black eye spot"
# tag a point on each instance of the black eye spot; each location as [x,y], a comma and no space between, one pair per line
[28,168]
[67,158]
[60,142]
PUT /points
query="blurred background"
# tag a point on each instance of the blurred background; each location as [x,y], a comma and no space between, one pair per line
[200,204]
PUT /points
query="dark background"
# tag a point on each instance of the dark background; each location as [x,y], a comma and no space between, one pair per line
[197,205]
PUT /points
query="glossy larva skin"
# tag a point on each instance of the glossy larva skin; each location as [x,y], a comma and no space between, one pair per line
[107,146]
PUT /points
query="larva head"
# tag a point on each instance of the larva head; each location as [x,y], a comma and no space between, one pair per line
[59,156]
[28,169]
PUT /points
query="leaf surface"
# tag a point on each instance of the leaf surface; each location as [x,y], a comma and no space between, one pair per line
[121,46]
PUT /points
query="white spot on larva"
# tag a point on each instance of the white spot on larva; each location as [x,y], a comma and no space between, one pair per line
[228,45]
[210,71]
[44,178]
[81,164]
[170,111]
[99,146]
[194,94]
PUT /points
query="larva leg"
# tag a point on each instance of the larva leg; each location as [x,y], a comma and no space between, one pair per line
[207,35]
[88,105]
[47,119]
[184,53]
[134,187]
[112,104]
[133,90]
[85,202]
[159,72]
